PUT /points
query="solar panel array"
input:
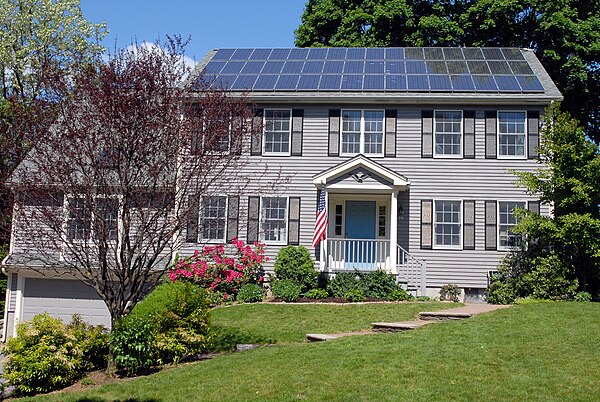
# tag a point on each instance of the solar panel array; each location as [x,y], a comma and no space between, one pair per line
[421,69]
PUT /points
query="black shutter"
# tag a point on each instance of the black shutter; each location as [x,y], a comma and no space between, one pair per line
[333,148]
[233,216]
[192,221]
[426,224]
[491,232]
[390,132]
[534,206]
[427,133]
[238,132]
[469,225]
[294,221]
[253,218]
[297,128]
[257,133]
[491,140]
[533,134]
[469,134]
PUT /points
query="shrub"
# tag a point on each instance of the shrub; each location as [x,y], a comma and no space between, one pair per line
[47,354]
[500,292]
[399,295]
[286,290]
[378,284]
[251,293]
[355,295]
[214,270]
[169,325]
[296,265]
[423,298]
[342,283]
[450,293]
[316,294]
[582,297]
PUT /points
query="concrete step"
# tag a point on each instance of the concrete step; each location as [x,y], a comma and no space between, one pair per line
[443,315]
[320,337]
[398,326]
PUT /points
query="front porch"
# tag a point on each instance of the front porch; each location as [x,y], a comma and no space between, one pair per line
[363,220]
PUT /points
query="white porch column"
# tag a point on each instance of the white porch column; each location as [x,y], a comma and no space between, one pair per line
[394,231]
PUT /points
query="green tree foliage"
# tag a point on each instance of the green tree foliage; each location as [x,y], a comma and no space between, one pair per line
[565,34]
[563,251]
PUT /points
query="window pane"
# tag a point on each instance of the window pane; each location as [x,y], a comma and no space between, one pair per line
[106,220]
[373,132]
[214,209]
[277,131]
[447,223]
[351,131]
[507,221]
[274,217]
[79,220]
[511,133]
[448,132]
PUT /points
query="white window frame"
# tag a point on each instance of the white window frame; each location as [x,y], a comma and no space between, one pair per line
[459,155]
[498,244]
[525,134]
[362,133]
[201,217]
[460,222]
[261,220]
[264,134]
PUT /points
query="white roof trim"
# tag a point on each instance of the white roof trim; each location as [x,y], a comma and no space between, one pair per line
[360,161]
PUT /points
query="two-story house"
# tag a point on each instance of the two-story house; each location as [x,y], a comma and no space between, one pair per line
[410,150]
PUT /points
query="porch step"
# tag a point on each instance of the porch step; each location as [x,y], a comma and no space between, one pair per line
[443,315]
[398,326]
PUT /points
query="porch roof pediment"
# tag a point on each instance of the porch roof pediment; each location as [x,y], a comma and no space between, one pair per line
[361,162]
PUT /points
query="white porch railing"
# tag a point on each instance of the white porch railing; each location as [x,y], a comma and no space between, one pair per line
[358,254]
[412,271]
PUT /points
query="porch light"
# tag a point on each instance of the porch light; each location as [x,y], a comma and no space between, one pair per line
[400,213]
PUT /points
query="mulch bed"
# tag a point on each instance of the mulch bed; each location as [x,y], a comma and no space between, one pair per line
[329,300]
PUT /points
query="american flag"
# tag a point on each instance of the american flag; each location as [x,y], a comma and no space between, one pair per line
[321,223]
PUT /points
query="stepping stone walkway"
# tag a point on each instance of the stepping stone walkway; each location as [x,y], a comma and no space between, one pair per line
[425,318]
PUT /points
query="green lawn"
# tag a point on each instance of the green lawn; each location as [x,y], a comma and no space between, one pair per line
[541,351]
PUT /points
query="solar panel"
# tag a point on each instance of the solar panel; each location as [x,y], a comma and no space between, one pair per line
[462,83]
[241,54]
[330,82]
[434,69]
[352,82]
[417,82]
[373,82]
[530,83]
[375,53]
[309,82]
[507,83]
[416,67]
[313,67]
[287,82]
[292,67]
[355,67]
[244,82]
[440,82]
[223,54]
[266,82]
[374,67]
[253,67]
[395,82]
[484,83]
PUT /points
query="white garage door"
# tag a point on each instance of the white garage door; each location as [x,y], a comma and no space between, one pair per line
[62,298]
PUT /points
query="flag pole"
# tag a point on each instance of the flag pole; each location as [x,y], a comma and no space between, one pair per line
[323,242]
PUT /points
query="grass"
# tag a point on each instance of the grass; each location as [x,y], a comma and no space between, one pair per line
[276,323]
[541,351]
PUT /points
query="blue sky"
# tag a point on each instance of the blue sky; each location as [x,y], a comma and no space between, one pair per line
[211,23]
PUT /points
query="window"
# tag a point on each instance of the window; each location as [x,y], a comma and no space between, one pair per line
[338,220]
[381,221]
[217,134]
[511,134]
[506,221]
[362,132]
[214,210]
[79,219]
[274,219]
[278,124]
[447,224]
[448,133]
[107,218]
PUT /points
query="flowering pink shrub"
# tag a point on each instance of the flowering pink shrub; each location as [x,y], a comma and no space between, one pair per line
[212,269]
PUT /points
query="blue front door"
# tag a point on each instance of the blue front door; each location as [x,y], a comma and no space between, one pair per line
[360,224]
